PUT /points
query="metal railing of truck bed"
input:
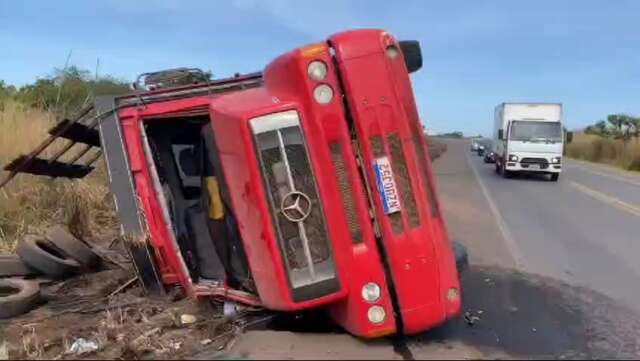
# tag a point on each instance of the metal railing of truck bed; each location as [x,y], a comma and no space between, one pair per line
[76,157]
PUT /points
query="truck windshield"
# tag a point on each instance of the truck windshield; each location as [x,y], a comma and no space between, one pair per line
[536,131]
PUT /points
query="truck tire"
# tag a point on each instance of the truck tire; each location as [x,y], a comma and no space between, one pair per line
[46,257]
[73,247]
[504,172]
[555,177]
[17,297]
[12,265]
[462,258]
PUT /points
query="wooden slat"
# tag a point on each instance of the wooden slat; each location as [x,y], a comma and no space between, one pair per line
[39,166]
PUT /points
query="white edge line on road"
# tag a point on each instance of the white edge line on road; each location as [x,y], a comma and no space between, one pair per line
[607,199]
[511,244]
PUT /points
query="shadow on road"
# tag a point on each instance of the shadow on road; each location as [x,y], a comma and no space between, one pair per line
[514,315]
[520,315]
[531,316]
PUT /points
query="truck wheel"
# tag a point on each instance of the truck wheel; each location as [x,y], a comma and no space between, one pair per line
[555,176]
[17,297]
[73,247]
[46,257]
[12,265]
[462,258]
[504,172]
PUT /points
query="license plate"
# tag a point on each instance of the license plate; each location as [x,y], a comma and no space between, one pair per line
[534,166]
[386,185]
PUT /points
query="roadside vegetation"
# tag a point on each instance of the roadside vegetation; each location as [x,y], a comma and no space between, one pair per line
[436,147]
[615,142]
[31,204]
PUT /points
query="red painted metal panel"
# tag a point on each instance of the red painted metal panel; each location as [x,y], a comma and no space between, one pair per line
[420,258]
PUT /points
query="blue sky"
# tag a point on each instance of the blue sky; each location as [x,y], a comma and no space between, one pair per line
[585,54]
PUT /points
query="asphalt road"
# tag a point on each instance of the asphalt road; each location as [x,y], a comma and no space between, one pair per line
[553,273]
[584,230]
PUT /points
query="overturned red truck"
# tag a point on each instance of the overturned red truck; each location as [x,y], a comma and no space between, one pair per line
[307,185]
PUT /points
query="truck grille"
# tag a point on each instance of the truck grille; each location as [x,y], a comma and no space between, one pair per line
[422,164]
[346,191]
[302,232]
[544,164]
[378,151]
[534,160]
[399,164]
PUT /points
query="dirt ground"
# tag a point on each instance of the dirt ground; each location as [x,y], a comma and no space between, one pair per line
[123,324]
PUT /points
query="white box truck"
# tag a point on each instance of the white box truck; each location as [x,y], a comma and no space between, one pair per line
[529,137]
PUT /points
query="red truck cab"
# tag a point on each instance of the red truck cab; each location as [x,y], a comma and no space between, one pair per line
[325,182]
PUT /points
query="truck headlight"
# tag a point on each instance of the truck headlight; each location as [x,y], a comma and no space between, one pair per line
[323,94]
[556,160]
[371,292]
[317,70]
[376,315]
[513,158]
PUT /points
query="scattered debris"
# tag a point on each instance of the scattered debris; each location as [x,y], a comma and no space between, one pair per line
[123,287]
[534,329]
[514,309]
[187,319]
[470,319]
[230,310]
[205,342]
[82,346]
[4,351]
[141,345]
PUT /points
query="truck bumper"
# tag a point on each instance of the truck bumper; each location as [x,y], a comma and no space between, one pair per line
[534,168]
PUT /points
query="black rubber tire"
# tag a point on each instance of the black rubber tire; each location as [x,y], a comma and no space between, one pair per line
[25,295]
[504,172]
[462,257]
[12,266]
[73,247]
[42,255]
[554,177]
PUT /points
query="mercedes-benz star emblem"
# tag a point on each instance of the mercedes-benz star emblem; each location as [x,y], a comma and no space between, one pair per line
[296,206]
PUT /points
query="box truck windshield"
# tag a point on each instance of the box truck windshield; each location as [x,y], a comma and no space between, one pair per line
[533,131]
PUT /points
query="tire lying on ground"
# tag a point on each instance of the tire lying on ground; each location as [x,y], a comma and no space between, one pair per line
[17,296]
[12,265]
[73,247]
[44,256]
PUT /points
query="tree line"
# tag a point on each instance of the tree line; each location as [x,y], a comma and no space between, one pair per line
[617,126]
[63,91]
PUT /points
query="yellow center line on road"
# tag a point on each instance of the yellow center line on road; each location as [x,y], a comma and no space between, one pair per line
[612,201]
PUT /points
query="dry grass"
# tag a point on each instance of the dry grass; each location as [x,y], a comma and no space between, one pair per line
[436,147]
[605,150]
[30,204]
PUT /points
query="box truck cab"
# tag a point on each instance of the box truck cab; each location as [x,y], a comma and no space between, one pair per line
[528,137]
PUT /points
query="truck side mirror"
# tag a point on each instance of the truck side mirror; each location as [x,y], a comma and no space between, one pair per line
[569,137]
[500,134]
[412,54]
